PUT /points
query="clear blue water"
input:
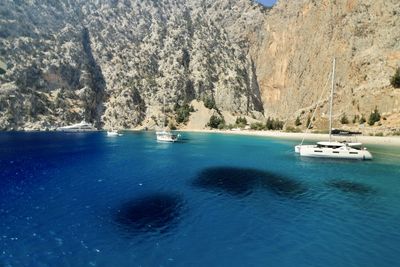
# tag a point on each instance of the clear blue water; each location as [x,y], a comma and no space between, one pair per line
[213,200]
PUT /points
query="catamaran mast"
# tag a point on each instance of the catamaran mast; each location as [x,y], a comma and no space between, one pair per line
[331,101]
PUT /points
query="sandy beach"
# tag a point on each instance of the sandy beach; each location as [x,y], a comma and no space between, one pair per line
[378,140]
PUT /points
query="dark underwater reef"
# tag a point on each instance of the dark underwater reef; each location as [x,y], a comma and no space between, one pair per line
[158,212]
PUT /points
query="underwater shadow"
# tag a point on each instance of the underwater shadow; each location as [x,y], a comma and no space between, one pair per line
[234,181]
[352,187]
[153,213]
[241,182]
[283,186]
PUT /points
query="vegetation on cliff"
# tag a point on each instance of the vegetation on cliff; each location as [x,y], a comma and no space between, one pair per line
[374,117]
[395,80]
[216,122]
[113,61]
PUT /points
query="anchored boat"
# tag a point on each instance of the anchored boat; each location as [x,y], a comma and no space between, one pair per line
[167,136]
[79,127]
[112,133]
[334,149]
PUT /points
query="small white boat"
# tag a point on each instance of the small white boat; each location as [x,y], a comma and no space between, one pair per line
[334,149]
[167,136]
[79,127]
[113,133]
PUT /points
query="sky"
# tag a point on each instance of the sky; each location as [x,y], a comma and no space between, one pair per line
[267,2]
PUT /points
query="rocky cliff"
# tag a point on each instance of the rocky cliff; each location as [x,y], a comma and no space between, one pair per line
[113,62]
[300,39]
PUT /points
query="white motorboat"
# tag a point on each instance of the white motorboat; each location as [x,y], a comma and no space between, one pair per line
[79,127]
[113,133]
[167,136]
[334,149]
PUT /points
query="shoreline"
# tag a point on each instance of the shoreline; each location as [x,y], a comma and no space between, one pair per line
[372,140]
[365,139]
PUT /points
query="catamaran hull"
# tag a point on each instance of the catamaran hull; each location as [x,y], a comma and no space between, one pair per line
[315,152]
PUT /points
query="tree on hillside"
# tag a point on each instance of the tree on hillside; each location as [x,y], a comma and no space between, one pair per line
[375,116]
[242,121]
[209,103]
[216,122]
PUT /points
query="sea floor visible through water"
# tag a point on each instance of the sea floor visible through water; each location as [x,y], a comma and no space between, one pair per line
[210,200]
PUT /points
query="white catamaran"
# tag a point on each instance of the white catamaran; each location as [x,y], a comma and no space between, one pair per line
[166,135]
[334,149]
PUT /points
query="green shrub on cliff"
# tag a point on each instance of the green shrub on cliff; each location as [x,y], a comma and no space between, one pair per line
[183,112]
[375,116]
[216,122]
[209,103]
[274,124]
[241,121]
[297,121]
[259,126]
[344,120]
[395,80]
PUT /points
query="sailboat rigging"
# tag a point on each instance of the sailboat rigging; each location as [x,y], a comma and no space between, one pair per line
[333,149]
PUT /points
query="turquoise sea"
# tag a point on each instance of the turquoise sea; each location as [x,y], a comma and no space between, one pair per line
[211,200]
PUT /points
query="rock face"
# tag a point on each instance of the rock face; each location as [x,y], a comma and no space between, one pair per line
[301,38]
[114,63]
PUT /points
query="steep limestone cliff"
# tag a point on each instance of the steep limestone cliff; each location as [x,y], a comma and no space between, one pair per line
[113,62]
[300,40]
